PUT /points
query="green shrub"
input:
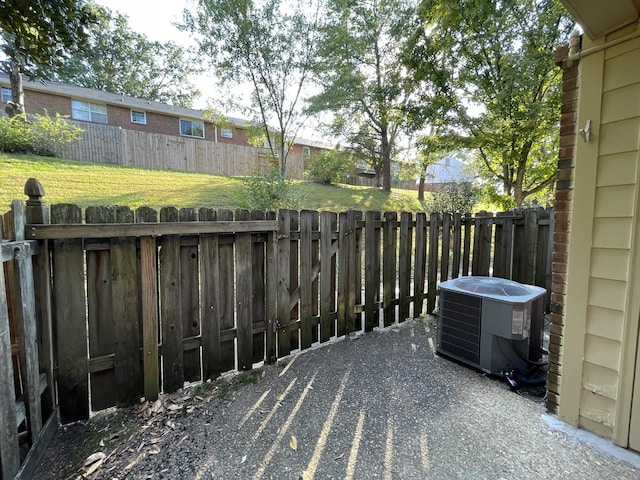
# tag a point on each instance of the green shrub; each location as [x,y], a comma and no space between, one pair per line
[329,167]
[37,134]
[453,197]
[268,191]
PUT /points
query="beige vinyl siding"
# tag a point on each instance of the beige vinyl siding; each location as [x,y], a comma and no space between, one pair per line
[614,214]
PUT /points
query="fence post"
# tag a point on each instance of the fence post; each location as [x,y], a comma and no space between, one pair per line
[37,212]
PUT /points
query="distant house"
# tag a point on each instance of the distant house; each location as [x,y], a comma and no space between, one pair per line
[447,170]
[107,115]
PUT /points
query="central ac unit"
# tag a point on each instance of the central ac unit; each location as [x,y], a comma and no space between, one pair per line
[492,324]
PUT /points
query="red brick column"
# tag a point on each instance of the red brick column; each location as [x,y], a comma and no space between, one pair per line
[562,220]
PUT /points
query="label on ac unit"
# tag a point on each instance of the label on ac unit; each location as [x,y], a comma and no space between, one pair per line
[517,322]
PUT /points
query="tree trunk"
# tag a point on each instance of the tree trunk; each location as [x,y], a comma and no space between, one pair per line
[17,92]
[385,153]
[421,187]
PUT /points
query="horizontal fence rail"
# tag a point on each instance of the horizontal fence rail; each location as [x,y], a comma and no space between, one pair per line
[143,301]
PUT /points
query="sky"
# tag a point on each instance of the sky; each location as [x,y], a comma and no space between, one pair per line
[154,19]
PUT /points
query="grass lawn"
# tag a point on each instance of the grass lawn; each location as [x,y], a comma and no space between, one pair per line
[86,184]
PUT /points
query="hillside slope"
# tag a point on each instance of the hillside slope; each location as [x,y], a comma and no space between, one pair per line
[88,184]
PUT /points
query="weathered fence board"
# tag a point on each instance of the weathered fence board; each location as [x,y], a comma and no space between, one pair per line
[328,227]
[102,334]
[210,298]
[306,278]
[258,289]
[124,291]
[420,264]
[404,265]
[284,285]
[190,296]
[244,295]
[171,306]
[372,251]
[226,297]
[70,302]
[9,448]
[389,265]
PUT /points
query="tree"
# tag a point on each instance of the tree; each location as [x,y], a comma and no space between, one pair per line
[362,79]
[119,60]
[36,36]
[501,56]
[269,45]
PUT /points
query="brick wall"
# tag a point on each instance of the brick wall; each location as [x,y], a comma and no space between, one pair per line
[38,102]
[120,116]
[562,219]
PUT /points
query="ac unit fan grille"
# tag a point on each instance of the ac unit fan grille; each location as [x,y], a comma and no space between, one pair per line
[460,326]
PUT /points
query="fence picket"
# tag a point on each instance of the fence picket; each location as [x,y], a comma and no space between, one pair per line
[389,255]
[9,451]
[244,294]
[446,247]
[70,301]
[432,271]
[456,248]
[404,265]
[26,322]
[420,264]
[284,282]
[124,290]
[171,306]
[294,279]
[306,280]
[343,274]
[190,296]
[328,226]
[226,296]
[372,270]
[210,295]
[259,287]
[149,306]
[102,333]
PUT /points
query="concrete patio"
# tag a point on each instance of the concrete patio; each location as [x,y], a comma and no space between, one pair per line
[381,405]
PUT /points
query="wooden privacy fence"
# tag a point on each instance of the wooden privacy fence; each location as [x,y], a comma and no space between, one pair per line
[132,148]
[142,301]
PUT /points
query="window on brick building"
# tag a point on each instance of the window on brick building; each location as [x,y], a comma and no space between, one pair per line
[138,116]
[190,128]
[226,133]
[90,112]
[6,95]
[306,151]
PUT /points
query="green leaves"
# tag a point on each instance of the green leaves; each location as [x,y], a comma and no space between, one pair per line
[267,45]
[36,35]
[500,55]
[120,60]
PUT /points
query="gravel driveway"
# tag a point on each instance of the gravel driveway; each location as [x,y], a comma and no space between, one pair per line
[382,405]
